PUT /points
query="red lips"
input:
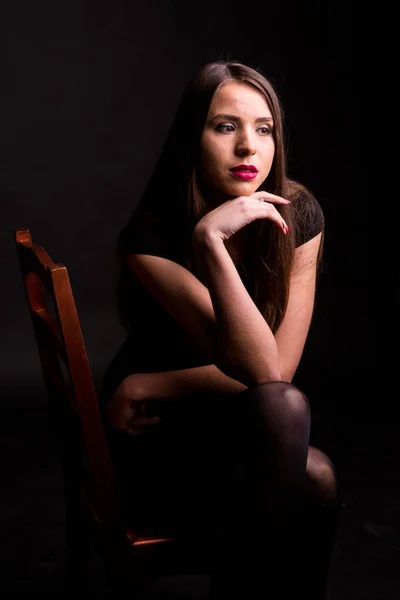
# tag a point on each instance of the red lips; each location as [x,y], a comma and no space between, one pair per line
[245,168]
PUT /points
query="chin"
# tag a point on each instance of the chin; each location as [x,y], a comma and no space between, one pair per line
[242,188]
[228,190]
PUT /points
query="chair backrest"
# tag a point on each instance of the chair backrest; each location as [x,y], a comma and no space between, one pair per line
[71,392]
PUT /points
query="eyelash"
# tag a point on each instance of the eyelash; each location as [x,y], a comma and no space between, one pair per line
[269,130]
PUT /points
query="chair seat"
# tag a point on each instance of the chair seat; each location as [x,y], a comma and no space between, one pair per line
[147,540]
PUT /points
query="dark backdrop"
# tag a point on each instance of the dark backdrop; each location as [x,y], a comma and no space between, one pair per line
[88,92]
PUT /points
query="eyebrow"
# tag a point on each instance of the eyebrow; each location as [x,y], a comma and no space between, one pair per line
[234,118]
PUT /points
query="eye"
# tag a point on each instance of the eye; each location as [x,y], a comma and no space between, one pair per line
[265,130]
[224,127]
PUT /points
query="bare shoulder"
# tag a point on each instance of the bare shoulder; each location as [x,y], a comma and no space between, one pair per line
[307,254]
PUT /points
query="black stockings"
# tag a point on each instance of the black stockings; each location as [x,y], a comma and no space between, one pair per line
[279,523]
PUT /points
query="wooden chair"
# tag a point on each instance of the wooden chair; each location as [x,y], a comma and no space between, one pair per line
[93,515]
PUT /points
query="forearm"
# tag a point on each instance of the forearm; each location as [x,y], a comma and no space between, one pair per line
[246,342]
[181,383]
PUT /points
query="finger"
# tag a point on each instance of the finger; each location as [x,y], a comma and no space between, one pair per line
[153,420]
[274,215]
[281,225]
[144,421]
[141,425]
[142,430]
[268,197]
[133,431]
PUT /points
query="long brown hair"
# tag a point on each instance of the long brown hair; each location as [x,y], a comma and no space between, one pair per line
[268,256]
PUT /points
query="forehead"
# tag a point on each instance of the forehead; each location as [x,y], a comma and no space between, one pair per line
[239,98]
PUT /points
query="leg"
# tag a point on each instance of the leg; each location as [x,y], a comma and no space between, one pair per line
[321,509]
[285,508]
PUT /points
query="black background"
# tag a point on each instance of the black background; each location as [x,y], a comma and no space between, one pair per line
[88,91]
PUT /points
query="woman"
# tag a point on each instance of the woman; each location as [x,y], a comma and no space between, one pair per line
[217,289]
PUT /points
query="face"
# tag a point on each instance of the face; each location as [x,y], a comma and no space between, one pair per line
[237,131]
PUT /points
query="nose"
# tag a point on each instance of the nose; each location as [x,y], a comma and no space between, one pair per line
[245,145]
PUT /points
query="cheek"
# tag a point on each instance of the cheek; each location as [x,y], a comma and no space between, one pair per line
[269,156]
[211,159]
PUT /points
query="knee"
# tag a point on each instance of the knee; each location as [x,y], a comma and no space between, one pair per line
[282,400]
[321,477]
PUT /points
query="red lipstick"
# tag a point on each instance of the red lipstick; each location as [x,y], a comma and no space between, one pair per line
[244,171]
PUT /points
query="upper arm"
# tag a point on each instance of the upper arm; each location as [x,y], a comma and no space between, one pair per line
[182,296]
[292,332]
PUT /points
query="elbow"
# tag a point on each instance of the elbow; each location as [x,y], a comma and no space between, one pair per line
[271,375]
[288,372]
[249,370]
[250,377]
[287,377]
